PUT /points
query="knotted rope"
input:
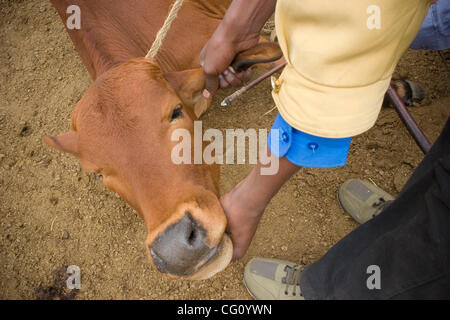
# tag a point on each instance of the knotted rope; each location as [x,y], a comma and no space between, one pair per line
[157,44]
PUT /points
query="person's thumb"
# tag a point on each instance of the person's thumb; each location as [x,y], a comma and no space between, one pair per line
[211,85]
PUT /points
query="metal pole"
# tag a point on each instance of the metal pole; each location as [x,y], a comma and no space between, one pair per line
[409,121]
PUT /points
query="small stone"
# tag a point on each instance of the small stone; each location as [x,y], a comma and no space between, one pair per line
[284,248]
[26,131]
[65,235]
[54,201]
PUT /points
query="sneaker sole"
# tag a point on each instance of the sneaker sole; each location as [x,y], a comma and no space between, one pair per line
[248,289]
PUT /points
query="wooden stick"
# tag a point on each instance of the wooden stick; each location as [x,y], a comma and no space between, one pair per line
[227,101]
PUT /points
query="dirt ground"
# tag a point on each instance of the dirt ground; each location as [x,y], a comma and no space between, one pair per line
[53,215]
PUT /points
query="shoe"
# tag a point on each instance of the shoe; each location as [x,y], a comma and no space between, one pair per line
[362,199]
[272,279]
[410,92]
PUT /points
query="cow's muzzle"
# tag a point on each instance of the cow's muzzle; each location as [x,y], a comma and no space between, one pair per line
[181,249]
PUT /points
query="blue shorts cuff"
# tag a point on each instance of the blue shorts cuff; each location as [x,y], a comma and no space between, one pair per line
[303,149]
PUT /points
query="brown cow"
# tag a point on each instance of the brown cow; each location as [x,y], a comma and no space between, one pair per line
[122,126]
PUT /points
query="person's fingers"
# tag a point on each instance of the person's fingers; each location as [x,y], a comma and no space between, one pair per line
[223,82]
[244,76]
[215,64]
[237,79]
[202,56]
[209,66]
[211,85]
[231,78]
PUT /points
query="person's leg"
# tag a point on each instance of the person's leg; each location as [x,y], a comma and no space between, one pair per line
[245,204]
[409,242]
[435,31]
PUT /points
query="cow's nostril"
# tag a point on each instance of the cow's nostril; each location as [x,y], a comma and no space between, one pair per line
[192,230]
[192,237]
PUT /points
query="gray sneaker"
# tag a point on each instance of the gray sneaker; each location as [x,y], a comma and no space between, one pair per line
[362,199]
[272,279]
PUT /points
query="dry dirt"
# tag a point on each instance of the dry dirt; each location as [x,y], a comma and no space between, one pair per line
[53,215]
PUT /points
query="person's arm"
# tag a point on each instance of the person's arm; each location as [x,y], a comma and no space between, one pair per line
[239,30]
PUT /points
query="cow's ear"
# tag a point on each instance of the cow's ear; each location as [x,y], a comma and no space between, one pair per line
[67,142]
[189,85]
[264,54]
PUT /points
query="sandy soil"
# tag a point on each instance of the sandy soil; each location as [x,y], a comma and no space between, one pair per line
[52,214]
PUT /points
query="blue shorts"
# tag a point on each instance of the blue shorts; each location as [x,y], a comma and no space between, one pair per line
[306,150]
[435,31]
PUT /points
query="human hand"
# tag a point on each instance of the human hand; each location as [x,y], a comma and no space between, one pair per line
[216,58]
[238,31]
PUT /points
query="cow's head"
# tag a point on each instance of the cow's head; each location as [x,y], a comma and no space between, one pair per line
[122,129]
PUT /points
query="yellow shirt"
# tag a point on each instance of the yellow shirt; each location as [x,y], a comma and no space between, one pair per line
[341,55]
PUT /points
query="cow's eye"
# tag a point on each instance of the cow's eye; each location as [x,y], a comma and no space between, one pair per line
[176,113]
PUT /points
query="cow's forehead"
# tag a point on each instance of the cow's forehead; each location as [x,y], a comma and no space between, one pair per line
[128,89]
[131,77]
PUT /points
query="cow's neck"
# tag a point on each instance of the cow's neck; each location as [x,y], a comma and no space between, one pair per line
[187,36]
[113,32]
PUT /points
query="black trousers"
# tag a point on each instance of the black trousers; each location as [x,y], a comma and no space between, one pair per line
[406,248]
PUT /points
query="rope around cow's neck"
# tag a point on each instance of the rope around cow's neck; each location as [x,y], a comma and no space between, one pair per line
[157,44]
